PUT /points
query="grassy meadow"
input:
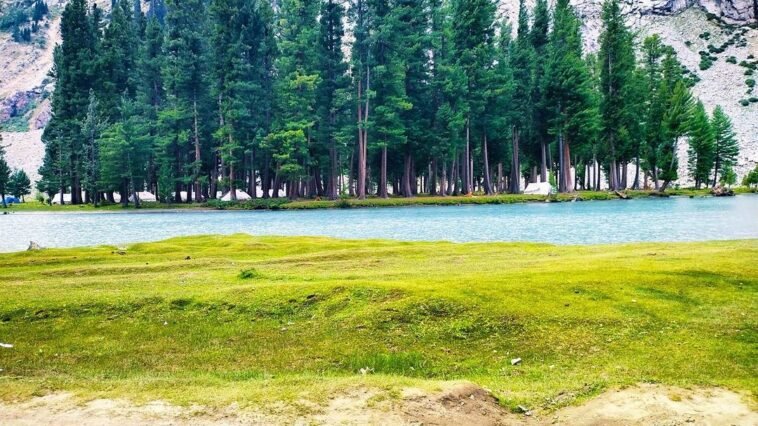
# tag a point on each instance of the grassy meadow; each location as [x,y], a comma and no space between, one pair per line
[253,320]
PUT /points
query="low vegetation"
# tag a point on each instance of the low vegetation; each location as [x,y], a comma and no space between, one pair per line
[214,320]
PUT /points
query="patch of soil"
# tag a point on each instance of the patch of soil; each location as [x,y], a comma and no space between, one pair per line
[659,405]
[459,404]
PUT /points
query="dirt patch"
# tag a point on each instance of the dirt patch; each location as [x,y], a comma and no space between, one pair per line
[660,405]
[460,403]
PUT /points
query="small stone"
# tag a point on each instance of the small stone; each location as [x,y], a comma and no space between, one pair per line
[516,361]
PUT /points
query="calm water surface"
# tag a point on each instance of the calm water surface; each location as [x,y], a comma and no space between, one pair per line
[673,219]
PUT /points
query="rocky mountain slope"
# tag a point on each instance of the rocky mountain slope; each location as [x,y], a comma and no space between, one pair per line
[690,26]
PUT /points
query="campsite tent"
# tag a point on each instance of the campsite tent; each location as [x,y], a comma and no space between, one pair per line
[144,196]
[11,200]
[241,196]
[538,188]
[57,198]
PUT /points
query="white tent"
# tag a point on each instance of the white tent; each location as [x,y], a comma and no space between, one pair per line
[66,198]
[538,188]
[241,196]
[144,196]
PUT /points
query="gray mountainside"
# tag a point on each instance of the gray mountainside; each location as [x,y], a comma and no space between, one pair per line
[689,26]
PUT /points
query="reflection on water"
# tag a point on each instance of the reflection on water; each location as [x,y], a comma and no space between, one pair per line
[674,219]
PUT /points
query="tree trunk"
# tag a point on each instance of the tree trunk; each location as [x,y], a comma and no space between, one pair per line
[332,188]
[253,186]
[568,183]
[717,164]
[487,182]
[407,171]
[515,183]
[543,162]
[465,162]
[383,174]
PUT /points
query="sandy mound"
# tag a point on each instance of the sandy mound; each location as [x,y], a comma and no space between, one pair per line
[459,404]
[658,405]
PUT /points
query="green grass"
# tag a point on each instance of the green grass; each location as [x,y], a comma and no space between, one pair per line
[258,319]
[421,200]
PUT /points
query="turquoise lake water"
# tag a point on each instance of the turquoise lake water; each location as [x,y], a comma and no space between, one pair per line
[590,222]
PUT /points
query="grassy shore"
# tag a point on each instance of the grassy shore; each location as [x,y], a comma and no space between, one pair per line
[215,320]
[421,200]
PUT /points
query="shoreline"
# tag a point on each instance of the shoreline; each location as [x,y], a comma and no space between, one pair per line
[372,202]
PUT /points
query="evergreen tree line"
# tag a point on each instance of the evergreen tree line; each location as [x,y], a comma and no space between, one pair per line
[22,19]
[199,97]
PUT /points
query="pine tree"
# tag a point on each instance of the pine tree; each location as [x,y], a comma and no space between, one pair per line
[701,146]
[616,56]
[568,89]
[5,174]
[92,128]
[473,36]
[332,85]
[413,38]
[523,65]
[116,63]
[185,83]
[74,71]
[150,91]
[726,147]
[295,96]
[675,122]
[655,105]
[679,104]
[541,110]
[123,152]
[387,85]
[19,184]
[359,15]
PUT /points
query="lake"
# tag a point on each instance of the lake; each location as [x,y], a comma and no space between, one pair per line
[589,222]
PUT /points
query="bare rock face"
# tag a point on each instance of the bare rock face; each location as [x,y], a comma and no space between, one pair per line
[732,11]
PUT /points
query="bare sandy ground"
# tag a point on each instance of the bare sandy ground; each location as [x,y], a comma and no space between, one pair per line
[460,404]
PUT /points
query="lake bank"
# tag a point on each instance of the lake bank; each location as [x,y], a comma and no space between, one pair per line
[286,204]
[253,321]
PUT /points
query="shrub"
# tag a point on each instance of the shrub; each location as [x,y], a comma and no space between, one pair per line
[744,102]
[750,82]
[247,274]
[705,63]
[731,60]
[705,36]
[753,99]
[748,72]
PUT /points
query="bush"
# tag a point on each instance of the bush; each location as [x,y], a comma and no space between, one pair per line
[750,82]
[751,179]
[705,63]
[744,102]
[748,72]
[705,36]
[753,99]
[731,60]
[247,274]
